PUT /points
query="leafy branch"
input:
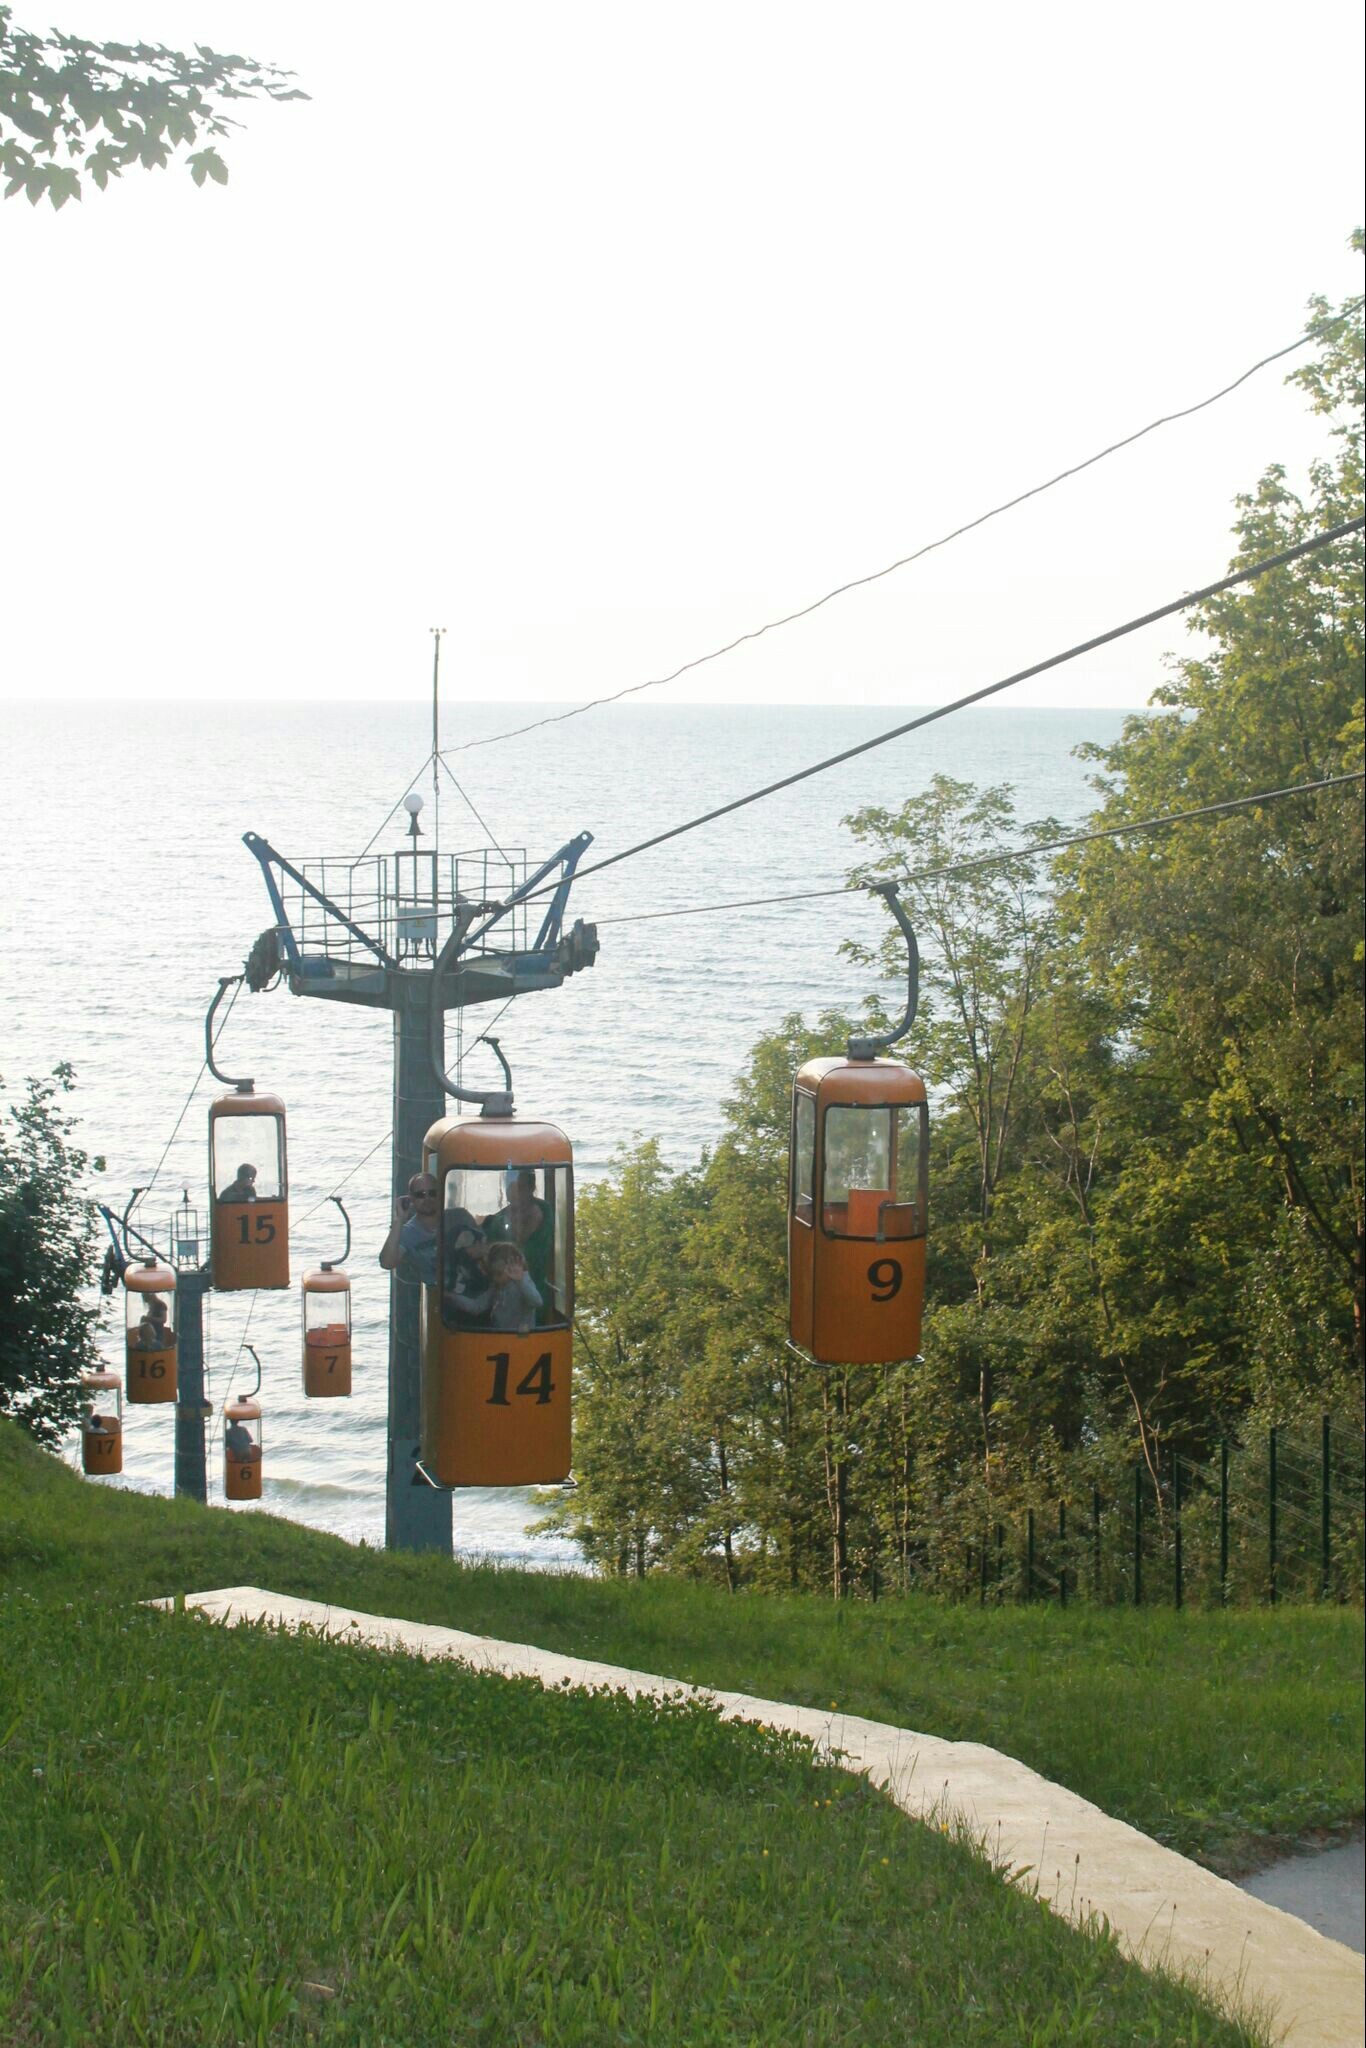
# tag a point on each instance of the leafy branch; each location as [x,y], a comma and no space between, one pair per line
[73,111]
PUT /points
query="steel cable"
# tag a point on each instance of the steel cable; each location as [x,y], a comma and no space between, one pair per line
[903,562]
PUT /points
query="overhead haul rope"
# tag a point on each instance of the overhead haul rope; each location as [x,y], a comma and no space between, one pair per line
[876,575]
[325,1199]
[185,1105]
[237,1359]
[1315,545]
[991,860]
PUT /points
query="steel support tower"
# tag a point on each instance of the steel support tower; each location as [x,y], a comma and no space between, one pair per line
[417,933]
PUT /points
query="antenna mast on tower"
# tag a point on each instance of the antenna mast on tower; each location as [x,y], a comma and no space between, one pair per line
[438,635]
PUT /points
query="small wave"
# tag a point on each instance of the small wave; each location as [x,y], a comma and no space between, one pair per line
[308,1489]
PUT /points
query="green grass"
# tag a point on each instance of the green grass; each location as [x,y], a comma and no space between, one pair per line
[212,1837]
[1226,1735]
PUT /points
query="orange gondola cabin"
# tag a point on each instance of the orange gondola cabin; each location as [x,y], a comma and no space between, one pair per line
[856,1211]
[101,1424]
[326,1333]
[248,1191]
[149,1337]
[858,1192]
[242,1444]
[497,1328]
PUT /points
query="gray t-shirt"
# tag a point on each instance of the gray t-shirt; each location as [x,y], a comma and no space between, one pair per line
[418,1245]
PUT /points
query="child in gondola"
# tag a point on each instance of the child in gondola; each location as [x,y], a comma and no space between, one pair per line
[514,1297]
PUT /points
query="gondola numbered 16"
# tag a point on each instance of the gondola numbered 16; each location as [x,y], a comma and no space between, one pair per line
[858,1196]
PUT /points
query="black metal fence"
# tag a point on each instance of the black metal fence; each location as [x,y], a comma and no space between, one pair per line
[1275,1517]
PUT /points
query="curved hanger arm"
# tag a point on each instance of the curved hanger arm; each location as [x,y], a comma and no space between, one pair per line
[127,1230]
[492,1101]
[330,1264]
[225,981]
[257,1388]
[869,1048]
[485,1039]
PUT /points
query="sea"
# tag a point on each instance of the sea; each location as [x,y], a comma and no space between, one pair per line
[126,891]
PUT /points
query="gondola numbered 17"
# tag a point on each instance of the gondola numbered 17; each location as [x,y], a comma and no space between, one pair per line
[858,1195]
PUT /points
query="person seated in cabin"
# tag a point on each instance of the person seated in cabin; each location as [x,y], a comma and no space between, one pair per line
[243,1189]
[241,1446]
[101,1425]
[514,1298]
[154,1331]
[410,1247]
[524,1221]
[466,1295]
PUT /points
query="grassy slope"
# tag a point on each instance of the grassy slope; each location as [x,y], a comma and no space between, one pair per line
[1221,1733]
[218,1838]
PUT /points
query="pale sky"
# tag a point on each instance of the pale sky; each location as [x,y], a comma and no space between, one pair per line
[599,334]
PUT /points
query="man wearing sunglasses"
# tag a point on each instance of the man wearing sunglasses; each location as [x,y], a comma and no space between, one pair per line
[411,1243]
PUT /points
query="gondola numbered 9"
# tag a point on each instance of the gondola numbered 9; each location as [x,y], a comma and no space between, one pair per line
[858,1195]
[326,1297]
[248,1180]
[497,1321]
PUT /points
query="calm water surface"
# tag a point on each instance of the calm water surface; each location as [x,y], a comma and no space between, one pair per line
[125,891]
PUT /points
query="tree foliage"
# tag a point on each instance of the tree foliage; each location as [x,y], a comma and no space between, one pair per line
[47,1262]
[73,110]
[1145,1065]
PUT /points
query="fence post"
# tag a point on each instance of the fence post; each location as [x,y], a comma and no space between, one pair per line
[1271,1513]
[1325,1514]
[1176,1528]
[982,1571]
[1062,1553]
[1095,1539]
[1138,1535]
[1000,1555]
[1223,1521]
[1029,1554]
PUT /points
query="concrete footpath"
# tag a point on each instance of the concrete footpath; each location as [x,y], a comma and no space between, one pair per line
[1326,1887]
[1165,1910]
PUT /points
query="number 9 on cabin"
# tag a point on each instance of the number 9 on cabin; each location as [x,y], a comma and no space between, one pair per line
[856,1211]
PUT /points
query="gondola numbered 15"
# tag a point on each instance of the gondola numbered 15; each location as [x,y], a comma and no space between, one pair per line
[858,1196]
[248,1179]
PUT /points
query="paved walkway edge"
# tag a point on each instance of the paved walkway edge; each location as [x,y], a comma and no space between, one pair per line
[1166,1911]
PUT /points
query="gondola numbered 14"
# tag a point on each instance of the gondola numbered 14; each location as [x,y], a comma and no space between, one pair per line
[858,1196]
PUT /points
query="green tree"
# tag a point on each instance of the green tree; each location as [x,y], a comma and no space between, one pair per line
[73,110]
[48,1238]
[1233,948]
[640,1487]
[986,936]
